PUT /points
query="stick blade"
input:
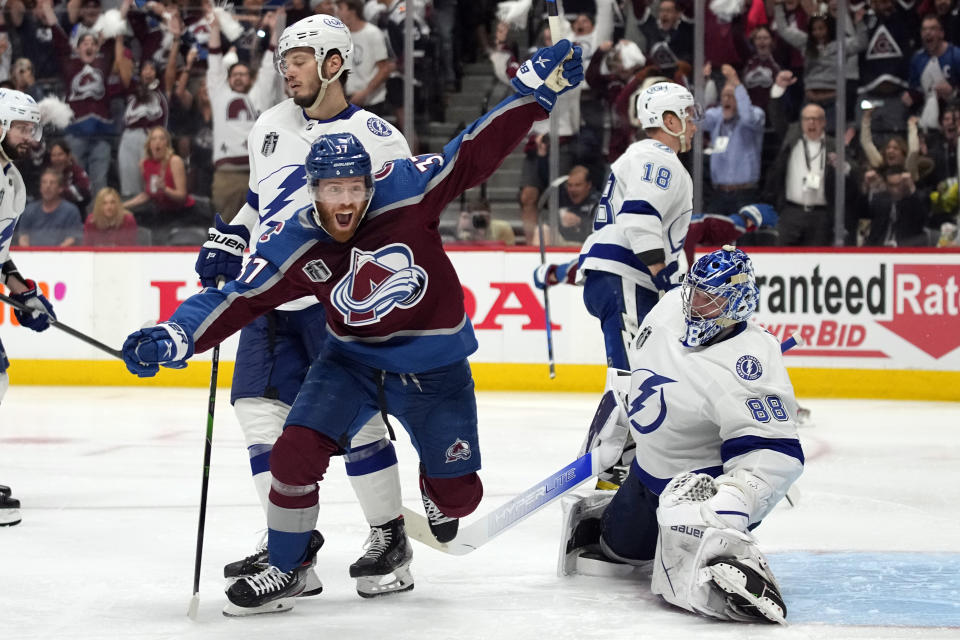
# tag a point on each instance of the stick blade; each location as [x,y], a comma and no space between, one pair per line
[194,607]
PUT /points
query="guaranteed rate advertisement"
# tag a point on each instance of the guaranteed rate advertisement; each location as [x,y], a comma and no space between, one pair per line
[864,310]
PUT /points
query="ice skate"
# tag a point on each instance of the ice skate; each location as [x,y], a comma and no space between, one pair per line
[259,561]
[270,591]
[9,508]
[749,593]
[443,528]
[385,567]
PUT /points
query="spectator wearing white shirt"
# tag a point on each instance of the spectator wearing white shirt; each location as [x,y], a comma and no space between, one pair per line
[372,63]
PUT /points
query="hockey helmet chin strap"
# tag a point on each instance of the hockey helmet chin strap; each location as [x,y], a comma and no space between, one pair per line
[325,82]
[682,137]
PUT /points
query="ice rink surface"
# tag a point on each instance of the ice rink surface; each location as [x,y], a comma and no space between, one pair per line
[109,479]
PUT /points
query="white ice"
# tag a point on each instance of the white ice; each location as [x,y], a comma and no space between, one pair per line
[110,479]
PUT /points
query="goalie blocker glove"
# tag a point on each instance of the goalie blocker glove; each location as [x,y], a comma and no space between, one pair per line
[164,344]
[41,312]
[549,73]
[222,254]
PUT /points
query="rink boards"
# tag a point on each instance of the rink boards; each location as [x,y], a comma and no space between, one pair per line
[881,324]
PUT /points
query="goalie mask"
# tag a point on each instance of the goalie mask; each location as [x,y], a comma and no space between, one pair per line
[719,292]
[340,181]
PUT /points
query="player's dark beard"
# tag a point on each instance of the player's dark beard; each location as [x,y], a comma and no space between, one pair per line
[306,103]
[12,151]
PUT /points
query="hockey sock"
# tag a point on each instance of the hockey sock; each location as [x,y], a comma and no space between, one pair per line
[375,478]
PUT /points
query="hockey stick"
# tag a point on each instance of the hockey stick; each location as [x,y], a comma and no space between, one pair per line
[519,508]
[205,482]
[63,327]
[510,513]
[553,18]
[546,307]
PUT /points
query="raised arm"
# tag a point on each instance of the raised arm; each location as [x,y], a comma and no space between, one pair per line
[478,151]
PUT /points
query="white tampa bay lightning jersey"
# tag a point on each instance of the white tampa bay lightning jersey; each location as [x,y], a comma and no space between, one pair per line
[646,205]
[713,409]
[278,145]
[13,198]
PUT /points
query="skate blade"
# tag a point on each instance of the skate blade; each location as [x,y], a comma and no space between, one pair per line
[727,578]
[9,517]
[375,586]
[276,606]
[596,564]
[313,586]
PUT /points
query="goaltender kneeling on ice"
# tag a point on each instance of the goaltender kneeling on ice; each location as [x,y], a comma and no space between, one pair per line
[714,417]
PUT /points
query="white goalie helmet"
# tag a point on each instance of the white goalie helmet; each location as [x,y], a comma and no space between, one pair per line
[16,106]
[322,33]
[666,97]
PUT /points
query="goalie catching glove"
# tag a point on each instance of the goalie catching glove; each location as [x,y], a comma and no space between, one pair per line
[164,344]
[41,311]
[222,254]
[549,73]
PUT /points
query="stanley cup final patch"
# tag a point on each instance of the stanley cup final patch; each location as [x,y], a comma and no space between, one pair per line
[269,143]
[317,270]
[459,450]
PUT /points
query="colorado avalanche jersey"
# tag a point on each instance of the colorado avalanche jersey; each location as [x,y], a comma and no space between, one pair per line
[233,112]
[278,145]
[13,198]
[711,409]
[646,205]
[392,298]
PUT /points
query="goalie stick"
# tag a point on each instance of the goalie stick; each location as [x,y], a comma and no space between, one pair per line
[519,508]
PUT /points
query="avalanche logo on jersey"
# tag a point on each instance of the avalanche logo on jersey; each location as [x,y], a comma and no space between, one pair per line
[748,368]
[459,450]
[378,282]
[646,415]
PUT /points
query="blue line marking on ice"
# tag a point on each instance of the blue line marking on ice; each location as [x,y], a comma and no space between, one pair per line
[875,589]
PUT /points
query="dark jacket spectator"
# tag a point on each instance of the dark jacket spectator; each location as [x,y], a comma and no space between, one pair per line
[76,182]
[898,215]
[50,221]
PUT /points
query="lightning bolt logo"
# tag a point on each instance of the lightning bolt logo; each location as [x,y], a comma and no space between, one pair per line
[6,232]
[643,393]
[286,190]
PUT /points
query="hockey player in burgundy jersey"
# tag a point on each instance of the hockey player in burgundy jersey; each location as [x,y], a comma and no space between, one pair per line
[369,249]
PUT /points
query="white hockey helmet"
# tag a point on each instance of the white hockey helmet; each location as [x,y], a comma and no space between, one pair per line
[16,106]
[322,33]
[667,97]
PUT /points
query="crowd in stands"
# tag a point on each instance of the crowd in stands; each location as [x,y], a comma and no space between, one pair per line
[147,157]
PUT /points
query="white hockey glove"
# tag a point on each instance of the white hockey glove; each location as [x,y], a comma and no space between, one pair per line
[609,429]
